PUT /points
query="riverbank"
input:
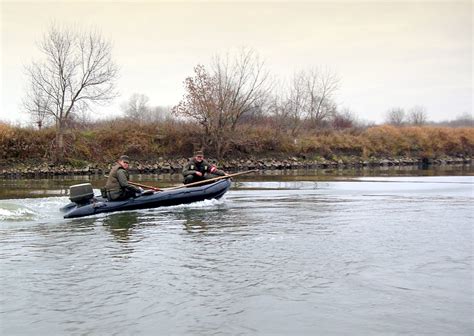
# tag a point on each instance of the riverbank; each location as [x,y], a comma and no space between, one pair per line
[159,166]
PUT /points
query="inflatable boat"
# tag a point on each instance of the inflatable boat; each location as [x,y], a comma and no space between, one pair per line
[84,203]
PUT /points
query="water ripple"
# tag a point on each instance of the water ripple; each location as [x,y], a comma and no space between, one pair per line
[269,258]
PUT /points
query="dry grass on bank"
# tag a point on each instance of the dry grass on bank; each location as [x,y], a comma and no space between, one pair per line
[105,141]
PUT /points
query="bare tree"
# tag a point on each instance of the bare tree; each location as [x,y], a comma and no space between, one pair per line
[294,108]
[217,100]
[463,120]
[36,104]
[395,116]
[77,70]
[159,113]
[320,87]
[241,84]
[344,119]
[280,112]
[309,98]
[136,108]
[285,105]
[417,115]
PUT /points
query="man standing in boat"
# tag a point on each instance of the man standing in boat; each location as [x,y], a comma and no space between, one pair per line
[199,169]
[117,186]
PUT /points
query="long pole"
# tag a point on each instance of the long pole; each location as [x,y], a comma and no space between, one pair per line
[143,186]
[212,179]
[194,183]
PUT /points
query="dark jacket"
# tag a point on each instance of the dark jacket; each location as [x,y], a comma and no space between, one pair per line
[208,170]
[117,186]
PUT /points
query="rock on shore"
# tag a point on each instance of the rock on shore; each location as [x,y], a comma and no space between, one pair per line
[161,165]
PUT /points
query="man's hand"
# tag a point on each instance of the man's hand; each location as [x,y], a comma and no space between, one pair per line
[198,173]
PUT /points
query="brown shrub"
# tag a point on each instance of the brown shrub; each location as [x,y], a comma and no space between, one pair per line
[260,140]
[419,141]
[106,140]
[25,143]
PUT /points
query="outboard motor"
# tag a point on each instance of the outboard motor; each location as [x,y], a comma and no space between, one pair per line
[81,193]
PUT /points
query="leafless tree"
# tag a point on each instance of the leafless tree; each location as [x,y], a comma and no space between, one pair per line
[241,84]
[159,113]
[344,119]
[136,108]
[36,104]
[285,105]
[217,99]
[463,120]
[294,108]
[308,99]
[279,112]
[77,71]
[417,115]
[395,116]
[320,87]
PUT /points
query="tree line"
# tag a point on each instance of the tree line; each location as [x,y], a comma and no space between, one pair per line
[220,99]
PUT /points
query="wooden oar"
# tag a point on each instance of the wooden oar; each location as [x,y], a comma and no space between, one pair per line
[145,186]
[194,183]
[211,180]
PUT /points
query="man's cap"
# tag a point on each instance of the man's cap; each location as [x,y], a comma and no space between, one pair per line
[124,158]
[198,153]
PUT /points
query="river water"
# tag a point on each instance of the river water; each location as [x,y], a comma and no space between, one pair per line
[291,254]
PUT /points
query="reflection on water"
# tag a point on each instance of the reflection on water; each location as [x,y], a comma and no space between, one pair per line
[192,224]
[370,255]
[59,185]
[121,225]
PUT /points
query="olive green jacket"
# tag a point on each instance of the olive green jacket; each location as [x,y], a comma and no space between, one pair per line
[117,182]
[204,167]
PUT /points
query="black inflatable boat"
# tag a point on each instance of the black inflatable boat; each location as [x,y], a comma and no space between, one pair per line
[84,203]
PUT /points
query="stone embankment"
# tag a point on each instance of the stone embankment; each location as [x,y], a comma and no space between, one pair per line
[160,166]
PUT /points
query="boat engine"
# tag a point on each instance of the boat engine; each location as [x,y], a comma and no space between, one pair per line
[81,193]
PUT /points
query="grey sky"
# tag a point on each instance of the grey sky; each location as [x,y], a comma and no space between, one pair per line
[388,54]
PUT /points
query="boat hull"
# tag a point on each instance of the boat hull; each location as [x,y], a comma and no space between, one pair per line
[157,199]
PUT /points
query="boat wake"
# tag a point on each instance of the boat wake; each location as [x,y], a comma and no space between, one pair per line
[199,205]
[13,212]
[30,209]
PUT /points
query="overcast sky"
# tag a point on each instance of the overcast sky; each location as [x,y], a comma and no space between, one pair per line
[388,54]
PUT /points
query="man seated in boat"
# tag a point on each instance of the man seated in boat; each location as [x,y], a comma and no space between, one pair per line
[117,186]
[198,169]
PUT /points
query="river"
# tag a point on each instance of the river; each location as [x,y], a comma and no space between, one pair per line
[280,254]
